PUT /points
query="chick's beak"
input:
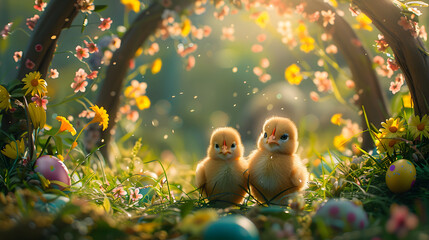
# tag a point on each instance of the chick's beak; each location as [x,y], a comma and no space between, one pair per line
[225,148]
[272,139]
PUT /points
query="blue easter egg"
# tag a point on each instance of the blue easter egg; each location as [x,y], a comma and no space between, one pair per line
[234,227]
[50,203]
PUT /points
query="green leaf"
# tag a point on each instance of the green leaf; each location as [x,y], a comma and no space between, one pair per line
[416,4]
[99,8]
[59,144]
[106,205]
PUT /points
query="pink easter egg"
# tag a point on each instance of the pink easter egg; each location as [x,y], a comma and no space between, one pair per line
[52,169]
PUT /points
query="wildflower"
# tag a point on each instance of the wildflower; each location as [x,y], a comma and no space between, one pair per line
[393,128]
[85,6]
[154,48]
[261,37]
[119,192]
[405,23]
[14,149]
[419,127]
[131,5]
[379,60]
[385,144]
[53,73]
[328,17]
[331,49]
[196,222]
[156,66]
[100,117]
[105,24]
[322,81]
[143,102]
[293,74]
[136,89]
[79,85]
[37,115]
[265,77]
[40,101]
[6,30]
[4,99]
[381,43]
[39,5]
[401,221]
[262,19]
[186,27]
[256,48]
[190,63]
[92,47]
[392,64]
[337,119]
[265,62]
[258,71]
[135,194]
[396,85]
[407,101]
[66,125]
[31,22]
[17,56]
[350,84]
[284,28]
[81,52]
[34,84]
[364,22]
[307,44]
[314,96]
[93,75]
[228,33]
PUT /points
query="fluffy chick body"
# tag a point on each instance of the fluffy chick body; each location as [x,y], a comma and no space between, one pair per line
[222,175]
[275,170]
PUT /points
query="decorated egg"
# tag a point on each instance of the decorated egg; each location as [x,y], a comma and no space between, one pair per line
[234,227]
[342,214]
[50,203]
[53,169]
[401,176]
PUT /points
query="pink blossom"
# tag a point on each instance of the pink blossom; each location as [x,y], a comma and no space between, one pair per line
[17,56]
[256,48]
[79,86]
[119,192]
[405,23]
[350,84]
[265,77]
[314,16]
[391,64]
[197,33]
[39,5]
[105,24]
[6,30]
[384,71]
[265,63]
[378,60]
[322,81]
[154,48]
[314,96]
[331,49]
[222,13]
[328,17]
[381,43]
[258,71]
[135,194]
[29,64]
[261,37]
[40,101]
[401,221]
[87,114]
[183,52]
[92,47]
[81,52]
[54,73]
[31,22]
[190,63]
[38,47]
[92,75]
[80,75]
[228,33]
[422,33]
[133,116]
[207,30]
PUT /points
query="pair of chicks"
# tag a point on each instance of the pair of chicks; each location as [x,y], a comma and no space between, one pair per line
[272,171]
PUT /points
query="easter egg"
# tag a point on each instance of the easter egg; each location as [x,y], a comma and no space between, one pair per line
[50,203]
[234,227]
[401,176]
[342,214]
[53,169]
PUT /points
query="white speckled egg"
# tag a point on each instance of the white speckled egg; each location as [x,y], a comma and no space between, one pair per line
[401,176]
[53,169]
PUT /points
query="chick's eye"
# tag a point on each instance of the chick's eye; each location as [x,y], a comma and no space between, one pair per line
[284,137]
[265,135]
[233,145]
[217,146]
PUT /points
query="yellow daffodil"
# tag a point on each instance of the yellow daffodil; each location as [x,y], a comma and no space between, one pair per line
[336,119]
[100,117]
[307,44]
[195,223]
[66,125]
[186,27]
[143,102]
[393,128]
[131,5]
[364,22]
[34,84]
[37,115]
[11,151]
[156,66]
[293,74]
[4,99]
[419,127]
[262,19]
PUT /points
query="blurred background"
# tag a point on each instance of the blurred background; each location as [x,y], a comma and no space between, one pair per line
[221,90]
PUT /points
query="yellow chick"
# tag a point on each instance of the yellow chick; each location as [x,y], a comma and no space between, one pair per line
[222,175]
[274,169]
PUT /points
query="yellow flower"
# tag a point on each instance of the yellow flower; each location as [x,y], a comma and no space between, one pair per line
[339,142]
[131,5]
[196,222]
[393,128]
[66,125]
[293,74]
[143,102]
[11,151]
[408,102]
[364,22]
[100,117]
[307,44]
[4,98]
[419,127]
[336,119]
[302,31]
[156,66]
[385,144]
[262,19]
[37,115]
[34,84]
[186,27]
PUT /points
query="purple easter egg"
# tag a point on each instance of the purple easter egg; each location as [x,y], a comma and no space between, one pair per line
[53,169]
